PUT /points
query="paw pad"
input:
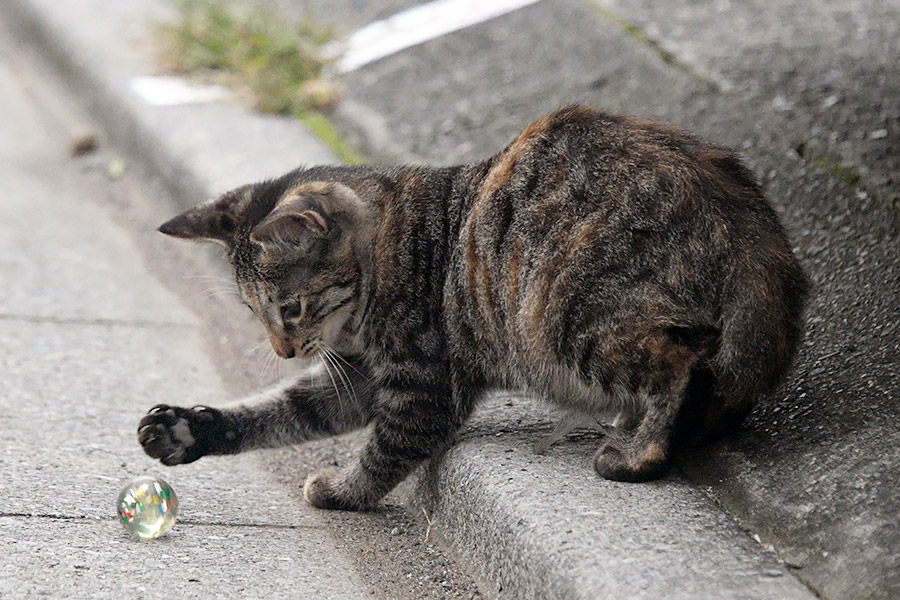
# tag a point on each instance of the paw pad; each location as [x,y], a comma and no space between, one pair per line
[165,433]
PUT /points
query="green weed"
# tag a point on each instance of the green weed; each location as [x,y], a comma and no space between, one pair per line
[322,128]
[845,174]
[254,49]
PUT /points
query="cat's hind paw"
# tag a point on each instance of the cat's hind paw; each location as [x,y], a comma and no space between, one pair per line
[614,462]
[176,435]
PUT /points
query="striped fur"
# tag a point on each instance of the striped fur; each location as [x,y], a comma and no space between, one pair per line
[609,264]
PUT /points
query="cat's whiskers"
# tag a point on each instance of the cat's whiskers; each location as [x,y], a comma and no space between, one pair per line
[348,386]
[220,291]
[279,369]
[345,361]
[224,285]
[265,368]
[257,347]
[330,355]
[217,278]
[270,362]
[333,382]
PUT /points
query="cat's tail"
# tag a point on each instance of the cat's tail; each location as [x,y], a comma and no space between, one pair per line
[761,328]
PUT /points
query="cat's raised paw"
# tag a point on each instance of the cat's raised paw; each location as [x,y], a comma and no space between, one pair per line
[176,435]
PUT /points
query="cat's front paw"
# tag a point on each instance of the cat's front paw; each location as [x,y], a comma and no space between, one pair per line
[321,490]
[178,435]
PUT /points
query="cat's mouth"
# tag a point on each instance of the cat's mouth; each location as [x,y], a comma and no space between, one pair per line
[290,349]
[307,349]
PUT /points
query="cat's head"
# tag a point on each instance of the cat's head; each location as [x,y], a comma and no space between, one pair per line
[299,255]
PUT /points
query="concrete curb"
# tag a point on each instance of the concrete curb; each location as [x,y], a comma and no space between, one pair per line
[545,526]
[528,526]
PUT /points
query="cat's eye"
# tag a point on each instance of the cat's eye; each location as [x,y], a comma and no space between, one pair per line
[291,311]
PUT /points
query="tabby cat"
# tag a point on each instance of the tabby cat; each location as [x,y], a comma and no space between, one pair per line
[608,264]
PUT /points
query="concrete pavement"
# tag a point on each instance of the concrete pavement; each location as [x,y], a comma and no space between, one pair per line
[88,341]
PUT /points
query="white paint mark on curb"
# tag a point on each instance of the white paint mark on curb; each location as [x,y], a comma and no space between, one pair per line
[412,27]
[172,91]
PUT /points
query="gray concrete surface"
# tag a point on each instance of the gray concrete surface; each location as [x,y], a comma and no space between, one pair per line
[813,473]
[828,67]
[89,340]
[76,558]
[545,526]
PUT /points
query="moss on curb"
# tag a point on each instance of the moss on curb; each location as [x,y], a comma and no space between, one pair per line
[637,33]
[844,173]
[322,128]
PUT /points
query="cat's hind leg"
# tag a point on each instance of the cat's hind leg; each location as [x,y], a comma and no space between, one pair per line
[644,453]
[319,403]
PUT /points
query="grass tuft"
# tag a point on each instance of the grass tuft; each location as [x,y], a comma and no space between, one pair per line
[253,48]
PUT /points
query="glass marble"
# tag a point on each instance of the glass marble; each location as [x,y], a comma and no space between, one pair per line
[147,507]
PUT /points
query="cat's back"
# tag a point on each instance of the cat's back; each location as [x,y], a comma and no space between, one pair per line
[583,193]
[589,220]
[578,166]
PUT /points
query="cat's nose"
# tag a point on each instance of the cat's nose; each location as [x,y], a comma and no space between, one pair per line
[281,347]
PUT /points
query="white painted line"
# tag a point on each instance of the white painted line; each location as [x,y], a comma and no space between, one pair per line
[412,27]
[172,91]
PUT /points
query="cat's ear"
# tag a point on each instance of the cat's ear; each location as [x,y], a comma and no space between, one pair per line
[289,227]
[214,221]
[309,211]
[305,212]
